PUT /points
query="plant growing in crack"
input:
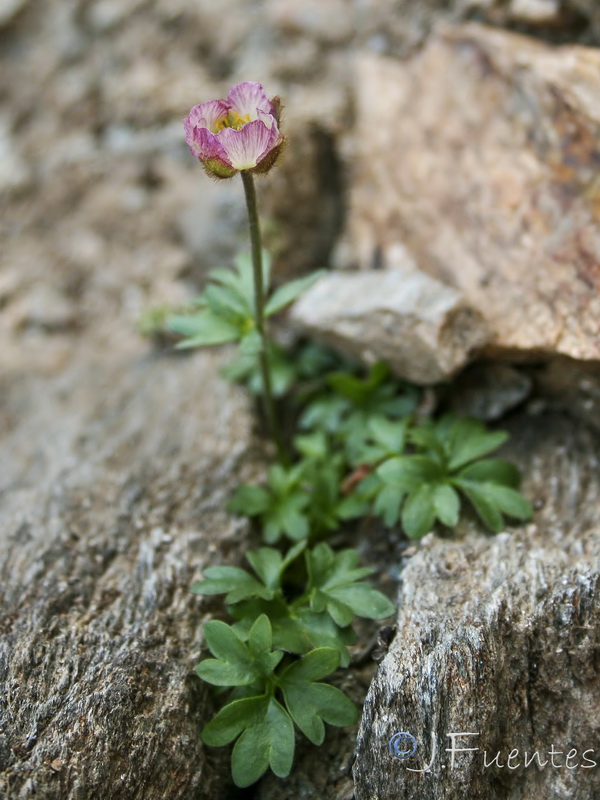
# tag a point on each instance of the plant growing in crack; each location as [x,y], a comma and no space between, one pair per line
[357,452]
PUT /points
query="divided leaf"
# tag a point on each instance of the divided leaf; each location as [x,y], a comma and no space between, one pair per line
[335,587]
[235,582]
[267,743]
[424,486]
[311,703]
[238,663]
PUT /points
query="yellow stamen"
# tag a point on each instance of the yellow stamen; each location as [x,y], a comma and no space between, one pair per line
[232,120]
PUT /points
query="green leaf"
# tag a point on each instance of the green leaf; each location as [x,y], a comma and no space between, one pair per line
[333,586]
[492,470]
[446,504]
[388,503]
[293,522]
[363,600]
[327,569]
[266,743]
[292,555]
[325,413]
[315,665]
[234,665]
[286,294]
[485,507]
[468,440]
[249,501]
[294,630]
[203,329]
[260,640]
[223,642]
[267,563]
[310,703]
[227,302]
[251,344]
[245,370]
[235,582]
[509,501]
[352,507]
[313,445]
[418,513]
[238,664]
[408,473]
[232,719]
[427,438]
[391,434]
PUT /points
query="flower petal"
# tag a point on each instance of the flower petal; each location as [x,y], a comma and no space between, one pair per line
[244,148]
[206,145]
[247,99]
[206,115]
[268,119]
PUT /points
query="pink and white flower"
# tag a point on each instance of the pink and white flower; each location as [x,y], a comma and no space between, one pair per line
[239,133]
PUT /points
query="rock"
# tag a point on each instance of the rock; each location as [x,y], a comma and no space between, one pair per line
[488,390]
[14,172]
[536,11]
[496,641]
[308,220]
[111,501]
[572,386]
[328,22]
[484,163]
[44,309]
[9,10]
[213,212]
[419,326]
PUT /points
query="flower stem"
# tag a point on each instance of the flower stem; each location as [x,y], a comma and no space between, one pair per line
[259,313]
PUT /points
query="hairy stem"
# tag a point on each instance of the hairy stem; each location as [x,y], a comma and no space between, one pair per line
[259,313]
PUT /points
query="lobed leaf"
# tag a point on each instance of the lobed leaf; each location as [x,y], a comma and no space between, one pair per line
[310,703]
[232,719]
[236,583]
[268,743]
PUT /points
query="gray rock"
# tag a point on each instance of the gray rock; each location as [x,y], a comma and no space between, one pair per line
[14,172]
[419,326]
[488,390]
[111,501]
[9,10]
[536,11]
[497,637]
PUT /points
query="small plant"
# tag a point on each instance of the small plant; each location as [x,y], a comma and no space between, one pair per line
[302,501]
[449,463]
[292,621]
[345,409]
[359,451]
[225,311]
[272,694]
[312,608]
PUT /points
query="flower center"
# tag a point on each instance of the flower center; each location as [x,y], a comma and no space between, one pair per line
[232,120]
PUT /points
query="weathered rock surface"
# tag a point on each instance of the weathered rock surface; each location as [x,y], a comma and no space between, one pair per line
[484,164]
[105,452]
[114,475]
[499,637]
[419,326]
